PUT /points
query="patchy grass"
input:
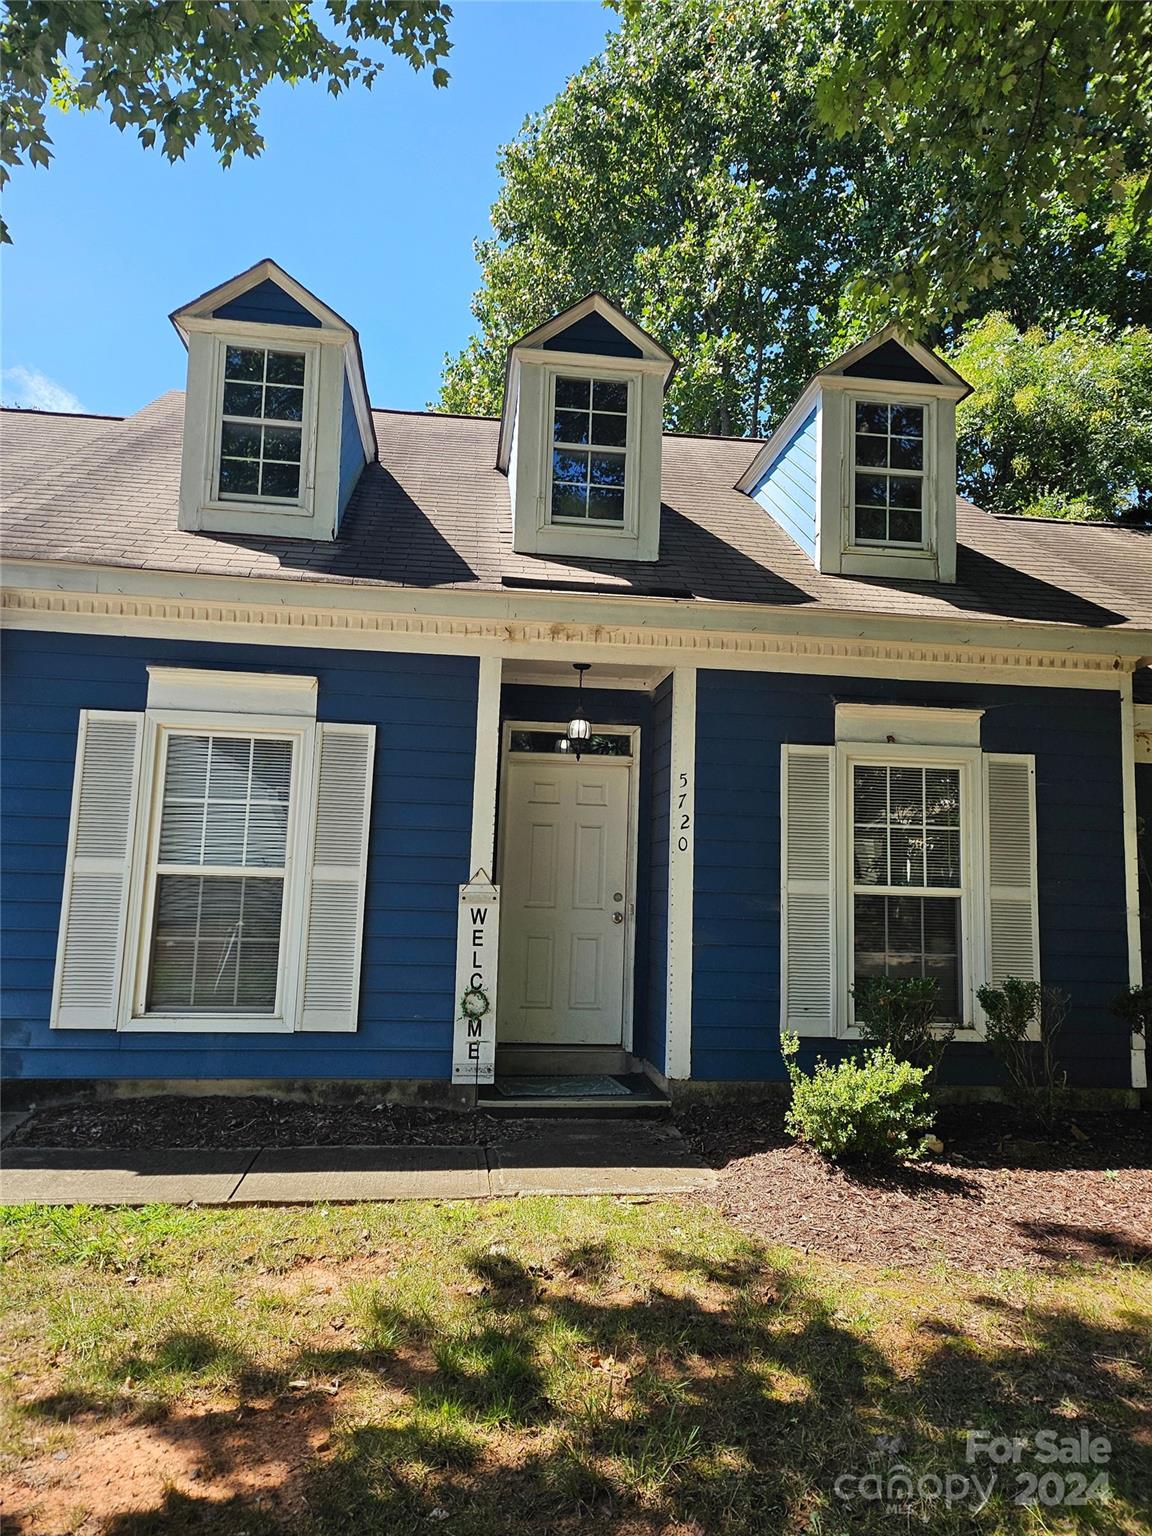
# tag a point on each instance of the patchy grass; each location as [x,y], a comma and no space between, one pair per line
[544,1366]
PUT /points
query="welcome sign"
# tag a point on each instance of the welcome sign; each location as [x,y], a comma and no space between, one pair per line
[477,951]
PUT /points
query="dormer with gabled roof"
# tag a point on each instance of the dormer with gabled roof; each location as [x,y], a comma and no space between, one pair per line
[581,434]
[861,472]
[277,424]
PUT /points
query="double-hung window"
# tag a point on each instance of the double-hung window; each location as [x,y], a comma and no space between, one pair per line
[888,474]
[262,425]
[218,880]
[589,451]
[906,852]
[907,876]
[217,861]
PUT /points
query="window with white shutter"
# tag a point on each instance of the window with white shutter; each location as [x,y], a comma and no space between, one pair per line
[905,861]
[217,863]
[807,927]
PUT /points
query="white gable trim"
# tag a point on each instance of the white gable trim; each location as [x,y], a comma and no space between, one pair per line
[941,371]
[596,302]
[202,308]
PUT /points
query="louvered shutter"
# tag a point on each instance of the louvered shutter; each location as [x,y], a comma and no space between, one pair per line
[334,910]
[94,914]
[807,917]
[1010,862]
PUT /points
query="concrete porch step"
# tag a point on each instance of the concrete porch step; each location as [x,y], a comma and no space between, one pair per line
[563,1061]
[634,1096]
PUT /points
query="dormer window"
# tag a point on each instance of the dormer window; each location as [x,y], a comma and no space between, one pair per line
[277,425]
[861,472]
[580,436]
[888,475]
[589,450]
[261,432]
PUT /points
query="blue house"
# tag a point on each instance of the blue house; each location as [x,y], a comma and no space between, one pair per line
[351,745]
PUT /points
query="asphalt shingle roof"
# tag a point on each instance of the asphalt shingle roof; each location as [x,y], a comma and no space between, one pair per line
[435,512]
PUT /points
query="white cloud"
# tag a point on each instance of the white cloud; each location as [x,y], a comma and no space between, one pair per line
[36,391]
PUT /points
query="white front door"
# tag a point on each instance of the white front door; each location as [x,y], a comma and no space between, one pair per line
[566,920]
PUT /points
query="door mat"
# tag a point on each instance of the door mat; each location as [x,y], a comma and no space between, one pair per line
[561,1088]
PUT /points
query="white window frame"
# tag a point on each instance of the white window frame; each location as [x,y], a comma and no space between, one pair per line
[581,525]
[302,504]
[928,478]
[973,949]
[159,724]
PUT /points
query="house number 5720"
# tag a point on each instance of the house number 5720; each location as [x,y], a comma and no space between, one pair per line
[683,815]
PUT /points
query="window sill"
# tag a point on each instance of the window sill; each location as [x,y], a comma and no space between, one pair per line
[244,504]
[205,1024]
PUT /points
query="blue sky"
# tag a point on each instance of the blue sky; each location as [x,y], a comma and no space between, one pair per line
[372,200]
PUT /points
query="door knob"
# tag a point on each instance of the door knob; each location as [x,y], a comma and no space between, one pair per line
[617,917]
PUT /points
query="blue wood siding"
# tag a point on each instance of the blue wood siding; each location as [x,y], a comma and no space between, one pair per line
[787,492]
[660,751]
[606,707]
[424,708]
[593,334]
[352,459]
[267,304]
[742,720]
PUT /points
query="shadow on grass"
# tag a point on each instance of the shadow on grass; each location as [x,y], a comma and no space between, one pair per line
[558,1408]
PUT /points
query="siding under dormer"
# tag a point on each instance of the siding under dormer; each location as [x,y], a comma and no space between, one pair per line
[787,491]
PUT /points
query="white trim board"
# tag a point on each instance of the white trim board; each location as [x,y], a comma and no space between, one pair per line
[533,626]
[681,875]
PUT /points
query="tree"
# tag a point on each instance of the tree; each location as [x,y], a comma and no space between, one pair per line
[1057,425]
[684,173]
[997,107]
[174,71]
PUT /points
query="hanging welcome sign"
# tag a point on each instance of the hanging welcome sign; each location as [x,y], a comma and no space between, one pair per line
[477,951]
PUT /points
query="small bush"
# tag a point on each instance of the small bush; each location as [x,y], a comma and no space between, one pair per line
[874,1110]
[900,1012]
[1023,1021]
[1134,1006]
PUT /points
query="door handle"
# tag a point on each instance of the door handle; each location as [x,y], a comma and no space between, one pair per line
[617,917]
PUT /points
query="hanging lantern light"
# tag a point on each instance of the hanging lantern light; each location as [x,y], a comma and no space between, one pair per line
[579,730]
[563,744]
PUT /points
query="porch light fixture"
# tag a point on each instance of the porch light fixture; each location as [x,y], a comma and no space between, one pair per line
[563,744]
[579,730]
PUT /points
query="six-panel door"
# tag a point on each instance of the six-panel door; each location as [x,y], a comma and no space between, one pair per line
[564,925]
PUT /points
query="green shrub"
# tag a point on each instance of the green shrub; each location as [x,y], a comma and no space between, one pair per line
[900,1012]
[873,1110]
[1022,1023]
[1134,1006]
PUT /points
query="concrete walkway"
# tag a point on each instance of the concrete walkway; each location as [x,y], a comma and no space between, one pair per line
[547,1157]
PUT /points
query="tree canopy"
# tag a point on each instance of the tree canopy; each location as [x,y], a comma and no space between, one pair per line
[996,107]
[687,173]
[176,71]
[1057,425]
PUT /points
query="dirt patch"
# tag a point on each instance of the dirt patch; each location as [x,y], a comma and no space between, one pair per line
[260,1453]
[222,1122]
[1000,1195]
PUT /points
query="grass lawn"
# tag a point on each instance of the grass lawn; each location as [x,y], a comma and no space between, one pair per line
[538,1365]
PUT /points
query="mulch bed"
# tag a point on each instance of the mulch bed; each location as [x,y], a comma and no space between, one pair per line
[222,1121]
[1000,1195]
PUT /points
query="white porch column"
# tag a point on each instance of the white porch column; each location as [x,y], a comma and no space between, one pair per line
[1132,866]
[681,839]
[483,850]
